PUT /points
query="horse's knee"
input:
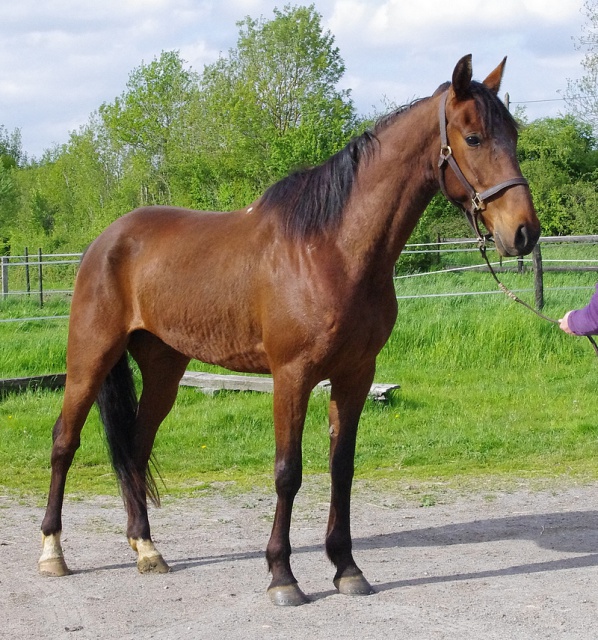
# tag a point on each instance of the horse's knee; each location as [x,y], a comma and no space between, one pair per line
[287,477]
[63,454]
[65,441]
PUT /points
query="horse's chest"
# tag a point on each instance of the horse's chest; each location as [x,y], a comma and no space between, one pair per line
[361,329]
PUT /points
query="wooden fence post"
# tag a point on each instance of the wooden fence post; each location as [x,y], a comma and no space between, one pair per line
[538,276]
[27,277]
[41,278]
[4,276]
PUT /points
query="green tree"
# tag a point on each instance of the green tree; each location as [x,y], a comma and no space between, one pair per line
[70,195]
[558,156]
[11,158]
[40,186]
[142,125]
[271,105]
[581,95]
[11,148]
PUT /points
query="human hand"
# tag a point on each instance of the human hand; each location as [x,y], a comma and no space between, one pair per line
[564,324]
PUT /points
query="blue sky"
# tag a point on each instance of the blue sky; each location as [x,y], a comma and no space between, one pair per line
[61,59]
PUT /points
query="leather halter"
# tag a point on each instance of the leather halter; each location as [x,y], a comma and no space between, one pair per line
[477,204]
[476,200]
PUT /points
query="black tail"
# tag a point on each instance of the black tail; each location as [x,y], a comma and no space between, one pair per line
[117,402]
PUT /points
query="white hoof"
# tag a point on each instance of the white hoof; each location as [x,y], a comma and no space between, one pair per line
[51,562]
[149,559]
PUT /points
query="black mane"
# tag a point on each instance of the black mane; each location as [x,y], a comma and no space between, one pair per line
[312,200]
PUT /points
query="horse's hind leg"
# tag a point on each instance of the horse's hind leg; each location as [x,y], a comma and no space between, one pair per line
[347,400]
[66,437]
[161,369]
[82,386]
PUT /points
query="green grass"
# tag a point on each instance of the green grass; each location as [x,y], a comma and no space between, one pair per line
[487,390]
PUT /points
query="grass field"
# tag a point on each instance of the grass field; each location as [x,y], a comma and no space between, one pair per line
[487,390]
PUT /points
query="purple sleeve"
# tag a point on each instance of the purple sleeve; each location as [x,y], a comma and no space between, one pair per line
[584,322]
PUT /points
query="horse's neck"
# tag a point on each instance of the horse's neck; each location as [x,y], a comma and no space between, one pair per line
[392,189]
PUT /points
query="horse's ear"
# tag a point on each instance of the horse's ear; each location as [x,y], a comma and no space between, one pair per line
[462,77]
[494,79]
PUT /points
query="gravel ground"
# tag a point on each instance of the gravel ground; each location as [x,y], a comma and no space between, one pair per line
[518,564]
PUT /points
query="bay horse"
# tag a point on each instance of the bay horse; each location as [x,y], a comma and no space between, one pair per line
[299,285]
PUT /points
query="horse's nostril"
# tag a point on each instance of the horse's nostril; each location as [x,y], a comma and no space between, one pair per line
[522,240]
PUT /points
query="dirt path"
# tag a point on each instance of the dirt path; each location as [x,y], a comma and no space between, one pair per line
[494,565]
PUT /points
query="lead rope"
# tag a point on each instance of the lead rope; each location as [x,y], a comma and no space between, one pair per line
[510,294]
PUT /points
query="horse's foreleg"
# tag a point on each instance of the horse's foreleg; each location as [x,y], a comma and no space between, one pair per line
[347,400]
[290,406]
[161,369]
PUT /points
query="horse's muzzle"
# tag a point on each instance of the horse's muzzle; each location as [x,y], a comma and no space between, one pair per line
[524,240]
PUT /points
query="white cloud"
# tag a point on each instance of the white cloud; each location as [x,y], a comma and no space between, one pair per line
[198,54]
[61,59]
[430,22]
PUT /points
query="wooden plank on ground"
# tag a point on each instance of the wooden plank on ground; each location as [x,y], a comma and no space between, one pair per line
[211,383]
[50,381]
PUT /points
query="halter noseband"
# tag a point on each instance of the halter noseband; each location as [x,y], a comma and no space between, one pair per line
[477,200]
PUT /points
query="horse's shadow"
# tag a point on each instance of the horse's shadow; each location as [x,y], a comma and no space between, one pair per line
[570,532]
[574,532]
[580,529]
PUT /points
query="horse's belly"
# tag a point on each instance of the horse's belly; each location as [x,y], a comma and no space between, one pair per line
[228,351]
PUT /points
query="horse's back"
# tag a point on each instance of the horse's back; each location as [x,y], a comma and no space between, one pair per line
[160,234]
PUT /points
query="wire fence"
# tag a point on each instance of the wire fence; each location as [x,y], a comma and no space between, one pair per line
[43,275]
[553,255]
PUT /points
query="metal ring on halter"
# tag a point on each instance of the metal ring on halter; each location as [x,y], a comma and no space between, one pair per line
[445,153]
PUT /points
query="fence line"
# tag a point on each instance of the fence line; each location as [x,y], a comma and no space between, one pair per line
[30,262]
[40,262]
[3,320]
[485,293]
[415,297]
[471,267]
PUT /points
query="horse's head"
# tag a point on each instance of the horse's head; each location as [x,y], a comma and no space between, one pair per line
[478,168]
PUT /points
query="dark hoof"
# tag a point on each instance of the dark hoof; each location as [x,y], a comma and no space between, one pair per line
[289,595]
[353,586]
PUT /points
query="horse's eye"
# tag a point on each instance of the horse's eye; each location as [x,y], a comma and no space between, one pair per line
[473,141]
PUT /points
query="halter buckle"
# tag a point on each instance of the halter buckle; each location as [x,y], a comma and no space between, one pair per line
[477,203]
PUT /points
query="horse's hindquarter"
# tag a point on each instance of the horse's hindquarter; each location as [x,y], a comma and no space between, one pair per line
[187,277]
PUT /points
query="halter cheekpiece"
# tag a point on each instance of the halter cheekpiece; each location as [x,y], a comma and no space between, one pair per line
[476,200]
